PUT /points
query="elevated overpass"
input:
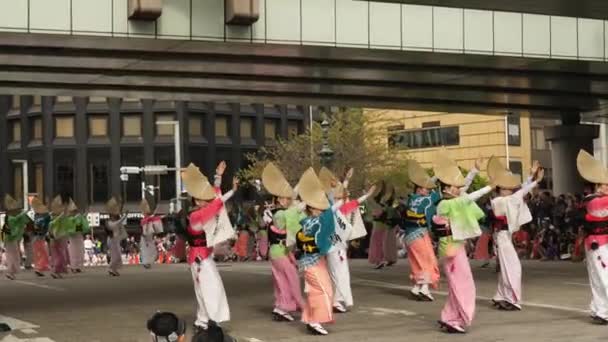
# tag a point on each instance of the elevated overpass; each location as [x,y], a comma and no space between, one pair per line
[390,54]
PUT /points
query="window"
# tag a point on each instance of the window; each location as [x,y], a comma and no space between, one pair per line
[98,126]
[18,182]
[39,179]
[131,126]
[165,130]
[15,131]
[516,167]
[64,127]
[195,127]
[424,138]
[221,126]
[513,124]
[37,129]
[270,129]
[293,128]
[16,102]
[64,99]
[64,173]
[98,182]
[394,128]
[431,124]
[246,128]
[538,139]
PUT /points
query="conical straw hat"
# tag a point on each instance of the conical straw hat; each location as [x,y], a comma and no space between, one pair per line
[113,207]
[72,208]
[11,204]
[501,176]
[418,175]
[591,169]
[57,206]
[38,206]
[196,184]
[311,190]
[327,178]
[447,171]
[275,183]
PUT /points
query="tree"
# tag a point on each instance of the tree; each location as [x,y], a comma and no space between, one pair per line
[358,141]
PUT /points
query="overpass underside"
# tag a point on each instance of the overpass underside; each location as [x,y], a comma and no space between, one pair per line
[292,74]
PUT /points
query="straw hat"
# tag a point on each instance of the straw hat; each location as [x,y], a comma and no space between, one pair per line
[72,208]
[418,175]
[311,190]
[501,176]
[145,207]
[113,207]
[327,178]
[57,206]
[196,184]
[39,207]
[10,204]
[275,183]
[447,171]
[591,169]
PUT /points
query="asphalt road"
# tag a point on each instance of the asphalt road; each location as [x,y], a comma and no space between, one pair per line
[94,307]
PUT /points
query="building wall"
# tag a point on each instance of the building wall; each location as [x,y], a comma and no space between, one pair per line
[479,135]
[77,145]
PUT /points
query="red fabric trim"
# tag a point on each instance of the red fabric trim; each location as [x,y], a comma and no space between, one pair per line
[349,207]
[600,239]
[592,218]
[200,252]
[278,230]
[150,219]
[203,215]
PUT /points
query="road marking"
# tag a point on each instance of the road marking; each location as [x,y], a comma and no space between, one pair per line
[11,338]
[42,286]
[29,331]
[375,283]
[577,284]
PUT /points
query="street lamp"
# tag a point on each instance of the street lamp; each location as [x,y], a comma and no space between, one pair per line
[178,159]
[326,154]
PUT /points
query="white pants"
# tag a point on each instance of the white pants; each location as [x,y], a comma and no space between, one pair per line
[149,254]
[598,279]
[340,276]
[509,278]
[210,294]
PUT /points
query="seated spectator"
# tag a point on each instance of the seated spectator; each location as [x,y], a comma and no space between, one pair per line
[214,333]
[167,327]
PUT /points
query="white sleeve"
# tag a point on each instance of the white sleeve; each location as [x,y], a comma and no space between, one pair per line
[217,181]
[525,189]
[363,198]
[474,196]
[337,206]
[469,179]
[225,197]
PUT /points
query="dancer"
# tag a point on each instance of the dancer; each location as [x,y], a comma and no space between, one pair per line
[79,227]
[391,221]
[287,290]
[337,258]
[58,229]
[12,233]
[421,208]
[42,220]
[151,225]
[116,231]
[596,229]
[314,240]
[376,253]
[208,226]
[509,213]
[456,221]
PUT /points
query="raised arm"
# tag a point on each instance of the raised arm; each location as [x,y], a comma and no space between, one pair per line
[475,195]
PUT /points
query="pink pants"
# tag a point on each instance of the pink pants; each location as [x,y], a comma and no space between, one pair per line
[376,244]
[59,255]
[319,294]
[13,257]
[459,309]
[41,254]
[76,250]
[287,290]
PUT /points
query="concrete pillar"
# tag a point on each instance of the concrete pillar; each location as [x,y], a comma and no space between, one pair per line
[566,140]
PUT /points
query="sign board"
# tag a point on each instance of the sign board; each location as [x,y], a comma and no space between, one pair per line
[93,219]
